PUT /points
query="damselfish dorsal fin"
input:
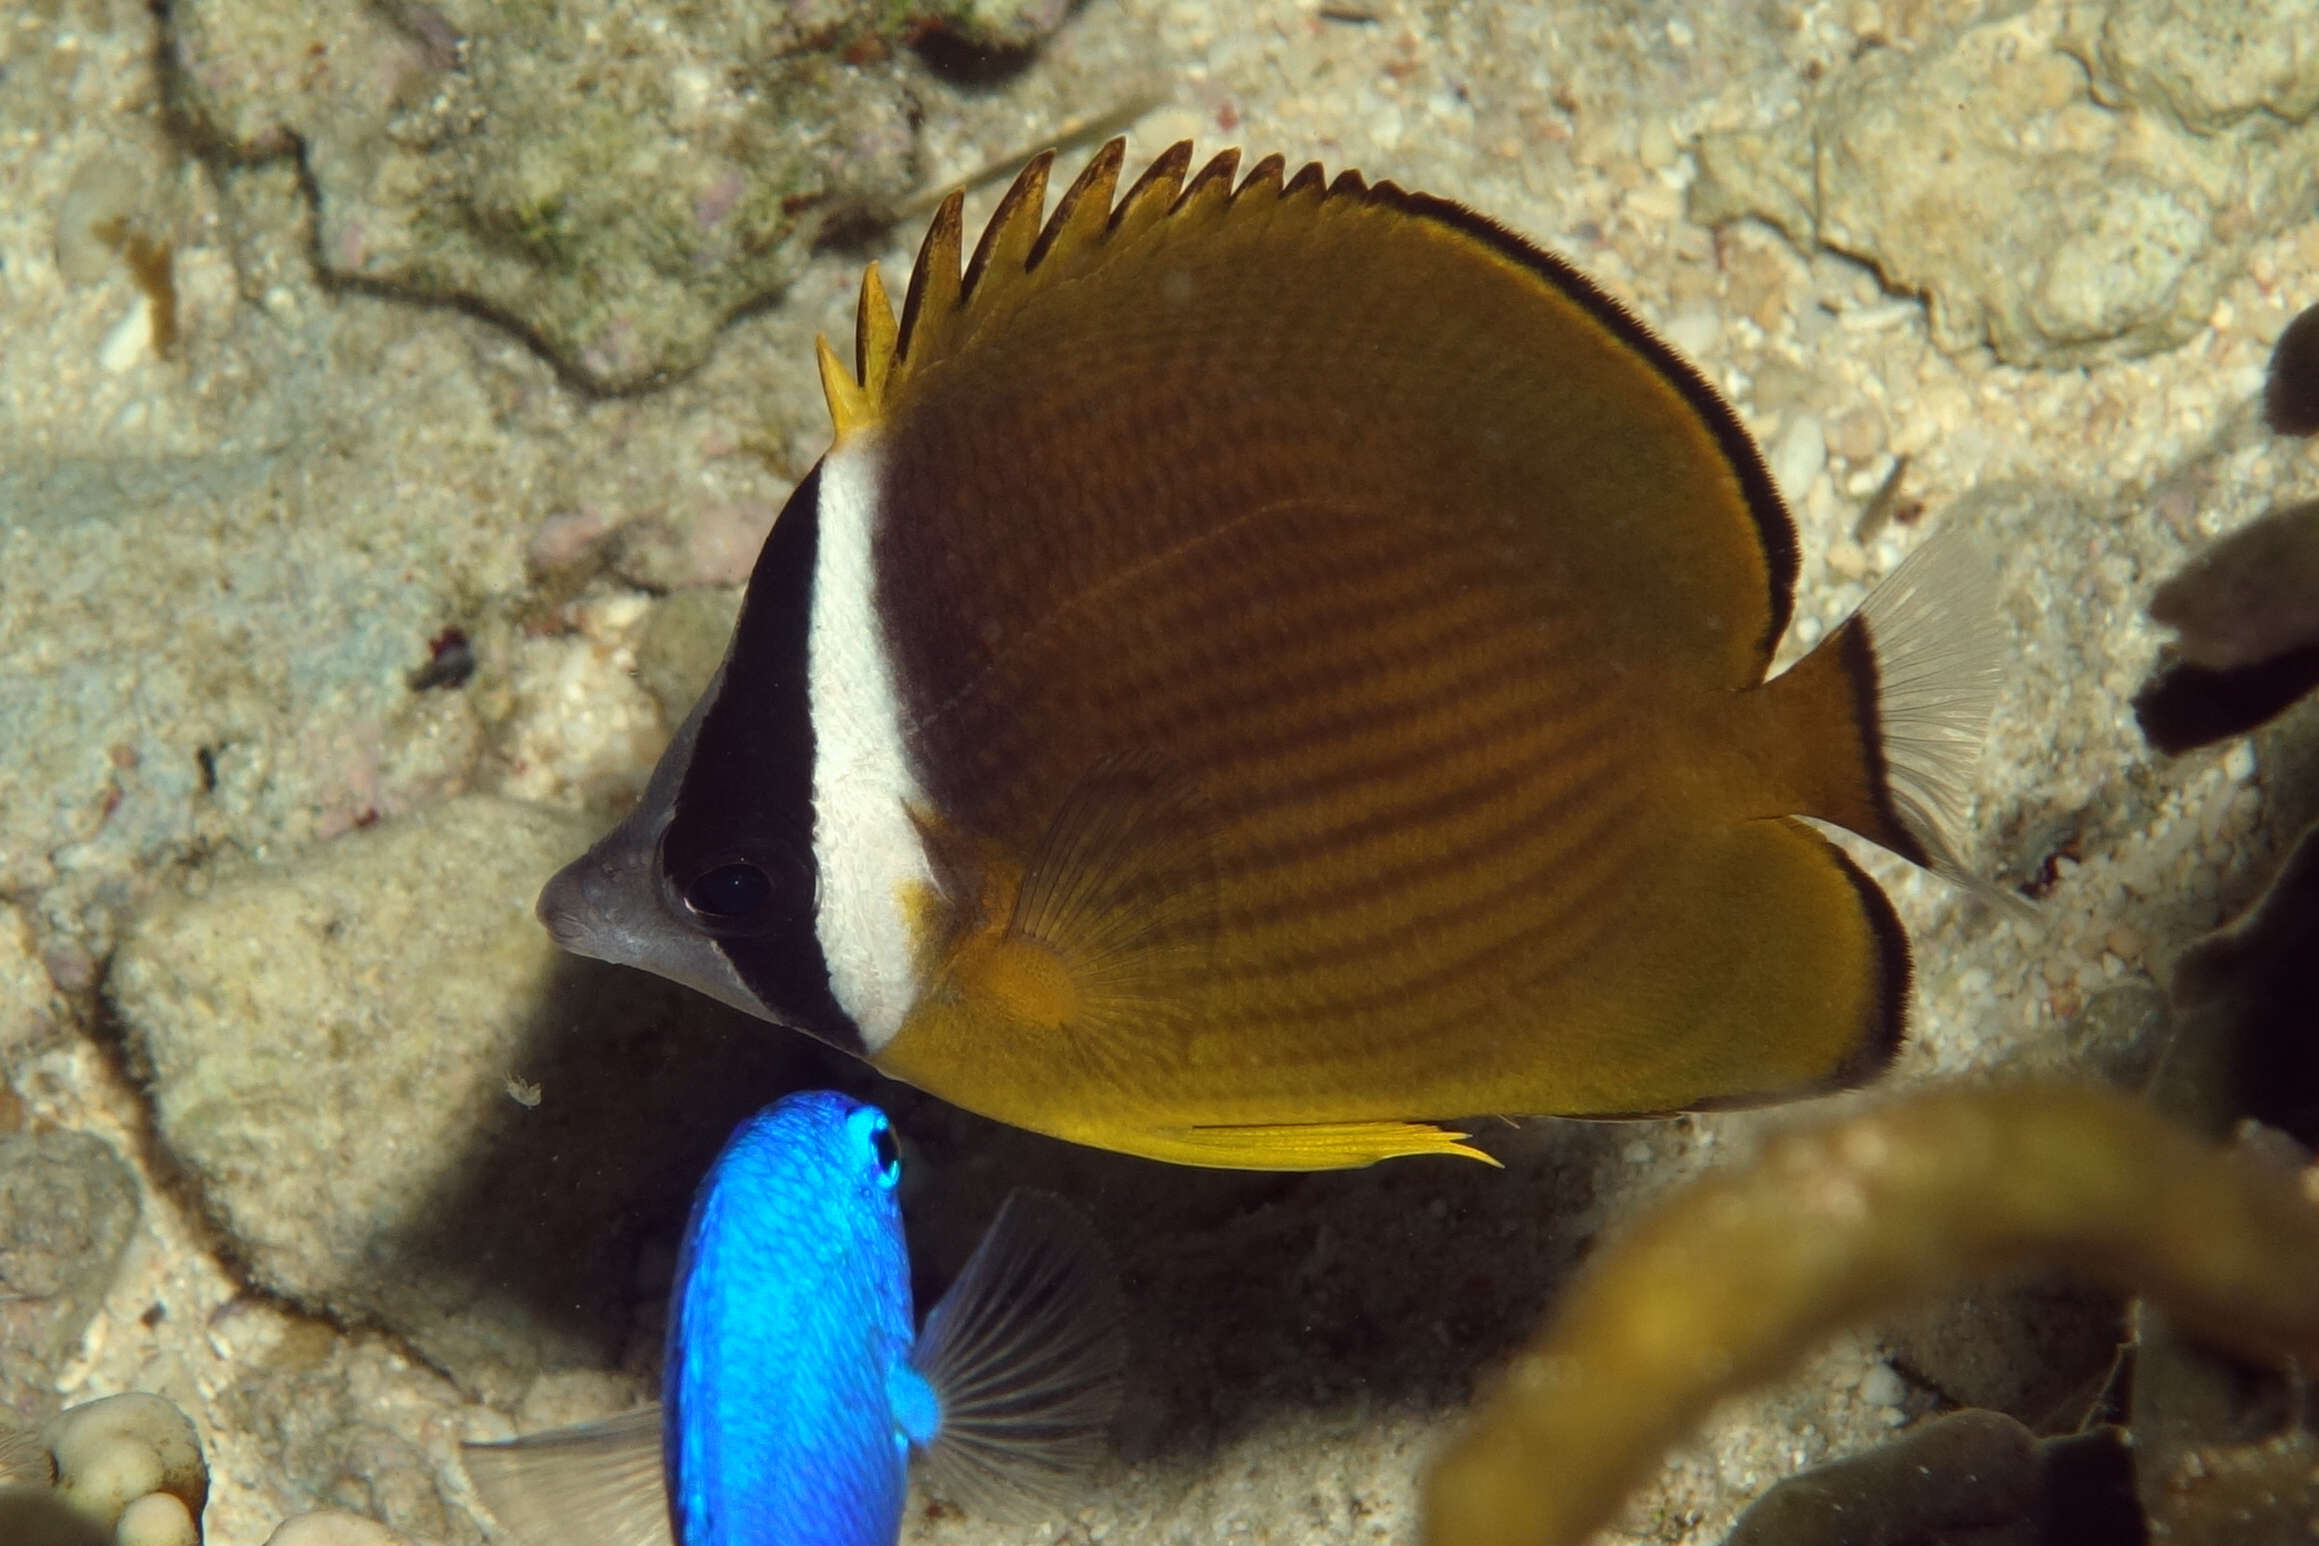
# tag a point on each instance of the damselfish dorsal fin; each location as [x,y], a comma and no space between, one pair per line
[598,1484]
[1024,1354]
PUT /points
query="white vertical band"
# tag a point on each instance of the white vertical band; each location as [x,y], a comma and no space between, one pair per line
[866,848]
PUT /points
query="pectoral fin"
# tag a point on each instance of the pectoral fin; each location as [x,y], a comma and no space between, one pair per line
[1024,1356]
[1111,925]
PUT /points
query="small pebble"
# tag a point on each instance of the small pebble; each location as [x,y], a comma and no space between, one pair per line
[1799,457]
[334,1527]
[156,1519]
[1881,1387]
[128,340]
[1694,330]
[1856,435]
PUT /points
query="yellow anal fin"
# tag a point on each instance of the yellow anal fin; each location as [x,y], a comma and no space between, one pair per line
[1303,1145]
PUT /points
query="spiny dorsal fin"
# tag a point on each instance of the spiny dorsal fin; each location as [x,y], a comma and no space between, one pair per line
[944,305]
[932,299]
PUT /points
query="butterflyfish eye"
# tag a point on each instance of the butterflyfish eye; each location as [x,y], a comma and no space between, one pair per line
[730,893]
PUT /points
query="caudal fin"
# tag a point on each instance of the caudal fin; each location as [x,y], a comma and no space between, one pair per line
[24,1460]
[1024,1354]
[1938,652]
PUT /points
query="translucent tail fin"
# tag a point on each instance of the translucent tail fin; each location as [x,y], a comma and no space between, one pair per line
[1939,649]
[1024,1354]
[24,1459]
[598,1483]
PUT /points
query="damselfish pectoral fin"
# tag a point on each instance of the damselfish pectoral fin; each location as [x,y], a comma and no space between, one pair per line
[1024,1357]
[1302,1145]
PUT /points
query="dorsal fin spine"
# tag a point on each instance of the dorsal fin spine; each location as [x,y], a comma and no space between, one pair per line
[933,288]
[1265,174]
[850,407]
[1154,192]
[875,335]
[1214,181]
[1005,247]
[1085,206]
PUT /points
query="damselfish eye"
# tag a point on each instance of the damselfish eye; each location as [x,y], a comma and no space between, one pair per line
[868,1123]
[889,1154]
[730,893]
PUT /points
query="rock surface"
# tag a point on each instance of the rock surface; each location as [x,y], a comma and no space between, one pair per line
[613,180]
[28,1001]
[331,1049]
[2061,192]
[67,1207]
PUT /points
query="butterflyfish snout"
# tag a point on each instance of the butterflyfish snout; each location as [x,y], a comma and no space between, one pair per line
[1274,663]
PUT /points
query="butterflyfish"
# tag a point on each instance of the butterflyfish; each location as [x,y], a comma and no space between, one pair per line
[795,1389]
[1272,664]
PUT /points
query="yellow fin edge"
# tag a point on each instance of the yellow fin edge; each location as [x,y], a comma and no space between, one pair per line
[1304,1145]
[851,409]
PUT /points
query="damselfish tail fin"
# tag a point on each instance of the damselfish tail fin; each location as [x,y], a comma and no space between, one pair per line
[1024,1354]
[599,1483]
[1938,649]
[24,1460]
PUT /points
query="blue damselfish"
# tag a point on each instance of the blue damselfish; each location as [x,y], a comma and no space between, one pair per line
[796,1390]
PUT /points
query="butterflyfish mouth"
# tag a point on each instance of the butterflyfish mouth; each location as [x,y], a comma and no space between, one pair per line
[569,914]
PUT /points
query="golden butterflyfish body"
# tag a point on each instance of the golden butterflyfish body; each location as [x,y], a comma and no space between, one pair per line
[1271,664]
